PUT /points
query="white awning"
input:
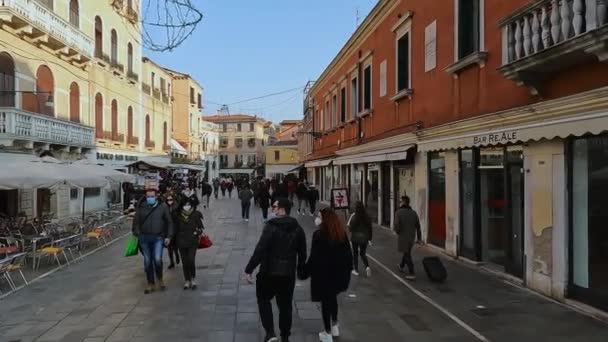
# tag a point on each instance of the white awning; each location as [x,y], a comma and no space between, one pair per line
[176,147]
[281,169]
[319,163]
[579,125]
[398,153]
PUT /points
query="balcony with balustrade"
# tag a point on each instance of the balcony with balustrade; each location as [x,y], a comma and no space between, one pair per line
[22,128]
[133,77]
[133,141]
[40,25]
[118,137]
[150,144]
[546,36]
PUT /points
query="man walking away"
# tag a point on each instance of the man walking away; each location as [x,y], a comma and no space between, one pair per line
[280,251]
[206,192]
[264,201]
[407,227]
[301,191]
[152,226]
[313,197]
[245,196]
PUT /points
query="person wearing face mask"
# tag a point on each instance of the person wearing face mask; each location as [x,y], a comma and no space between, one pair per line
[329,267]
[189,195]
[280,252]
[153,226]
[172,248]
[188,229]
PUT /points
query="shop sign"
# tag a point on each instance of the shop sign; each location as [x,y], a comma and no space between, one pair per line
[339,198]
[496,138]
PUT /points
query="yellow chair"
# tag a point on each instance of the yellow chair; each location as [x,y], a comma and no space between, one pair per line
[52,250]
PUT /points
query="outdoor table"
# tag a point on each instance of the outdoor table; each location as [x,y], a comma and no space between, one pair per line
[34,239]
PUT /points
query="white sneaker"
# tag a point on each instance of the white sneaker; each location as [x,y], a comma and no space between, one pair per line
[355,273]
[187,285]
[335,330]
[193,285]
[325,337]
[311,214]
[368,271]
[246,220]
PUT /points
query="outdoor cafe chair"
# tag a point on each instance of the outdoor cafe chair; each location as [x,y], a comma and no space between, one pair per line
[8,245]
[52,250]
[13,264]
[73,242]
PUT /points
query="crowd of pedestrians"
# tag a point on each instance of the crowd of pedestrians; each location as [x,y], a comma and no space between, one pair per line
[172,219]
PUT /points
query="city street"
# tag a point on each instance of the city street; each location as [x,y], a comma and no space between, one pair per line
[102,299]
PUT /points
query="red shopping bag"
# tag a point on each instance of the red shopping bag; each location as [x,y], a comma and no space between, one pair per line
[204,242]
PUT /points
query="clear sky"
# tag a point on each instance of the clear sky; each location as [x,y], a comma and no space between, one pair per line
[248,48]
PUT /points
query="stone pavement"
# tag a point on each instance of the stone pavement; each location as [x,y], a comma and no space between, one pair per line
[101,299]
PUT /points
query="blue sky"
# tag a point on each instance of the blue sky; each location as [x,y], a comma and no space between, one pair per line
[243,49]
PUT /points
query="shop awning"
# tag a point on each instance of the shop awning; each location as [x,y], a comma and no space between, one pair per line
[319,163]
[176,147]
[280,169]
[579,125]
[150,164]
[297,168]
[397,153]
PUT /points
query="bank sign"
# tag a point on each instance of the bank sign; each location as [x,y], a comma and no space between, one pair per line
[495,138]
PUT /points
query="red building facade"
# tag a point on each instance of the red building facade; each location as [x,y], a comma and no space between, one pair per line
[490,116]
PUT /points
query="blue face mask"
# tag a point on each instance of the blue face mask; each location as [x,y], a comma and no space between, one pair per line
[151,200]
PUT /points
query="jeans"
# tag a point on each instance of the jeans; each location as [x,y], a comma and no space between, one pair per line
[359,249]
[152,249]
[245,206]
[189,262]
[268,287]
[301,204]
[265,213]
[313,206]
[329,311]
[407,260]
[173,253]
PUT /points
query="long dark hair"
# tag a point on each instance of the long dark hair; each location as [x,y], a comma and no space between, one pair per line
[332,225]
[361,215]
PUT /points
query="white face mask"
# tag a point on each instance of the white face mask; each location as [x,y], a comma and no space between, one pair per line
[318,221]
[187,207]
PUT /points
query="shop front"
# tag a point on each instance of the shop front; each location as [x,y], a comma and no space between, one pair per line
[588,159]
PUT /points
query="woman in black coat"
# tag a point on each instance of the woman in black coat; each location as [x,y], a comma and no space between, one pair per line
[360,226]
[329,267]
[188,225]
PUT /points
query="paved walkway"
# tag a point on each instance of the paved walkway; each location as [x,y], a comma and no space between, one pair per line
[101,299]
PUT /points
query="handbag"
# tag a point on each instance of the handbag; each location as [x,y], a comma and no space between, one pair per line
[204,242]
[132,246]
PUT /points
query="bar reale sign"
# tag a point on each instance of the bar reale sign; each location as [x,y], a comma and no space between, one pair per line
[495,138]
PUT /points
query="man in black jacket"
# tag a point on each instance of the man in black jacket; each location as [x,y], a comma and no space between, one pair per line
[280,252]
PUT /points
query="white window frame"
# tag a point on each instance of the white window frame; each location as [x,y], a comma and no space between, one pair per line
[402,30]
[334,109]
[354,99]
[482,31]
[367,63]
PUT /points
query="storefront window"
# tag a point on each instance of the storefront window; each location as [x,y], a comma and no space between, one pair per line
[492,193]
[371,197]
[589,216]
[327,184]
[355,188]
[436,234]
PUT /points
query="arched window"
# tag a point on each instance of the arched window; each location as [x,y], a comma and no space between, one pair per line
[98,37]
[164,134]
[45,91]
[114,119]
[114,47]
[99,116]
[147,127]
[130,57]
[7,80]
[74,13]
[74,102]
[130,122]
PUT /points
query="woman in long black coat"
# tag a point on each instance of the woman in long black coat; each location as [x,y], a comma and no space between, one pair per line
[188,224]
[329,267]
[264,200]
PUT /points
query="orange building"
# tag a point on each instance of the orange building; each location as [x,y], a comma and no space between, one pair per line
[490,116]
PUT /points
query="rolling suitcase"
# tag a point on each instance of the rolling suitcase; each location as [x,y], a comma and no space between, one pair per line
[434,269]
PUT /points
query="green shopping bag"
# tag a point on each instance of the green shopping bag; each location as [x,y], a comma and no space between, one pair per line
[132,246]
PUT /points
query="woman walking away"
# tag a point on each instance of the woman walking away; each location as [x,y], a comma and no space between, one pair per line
[245,195]
[172,248]
[188,228]
[360,226]
[329,267]
[264,201]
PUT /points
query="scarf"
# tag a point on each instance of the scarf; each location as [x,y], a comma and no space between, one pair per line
[186,214]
